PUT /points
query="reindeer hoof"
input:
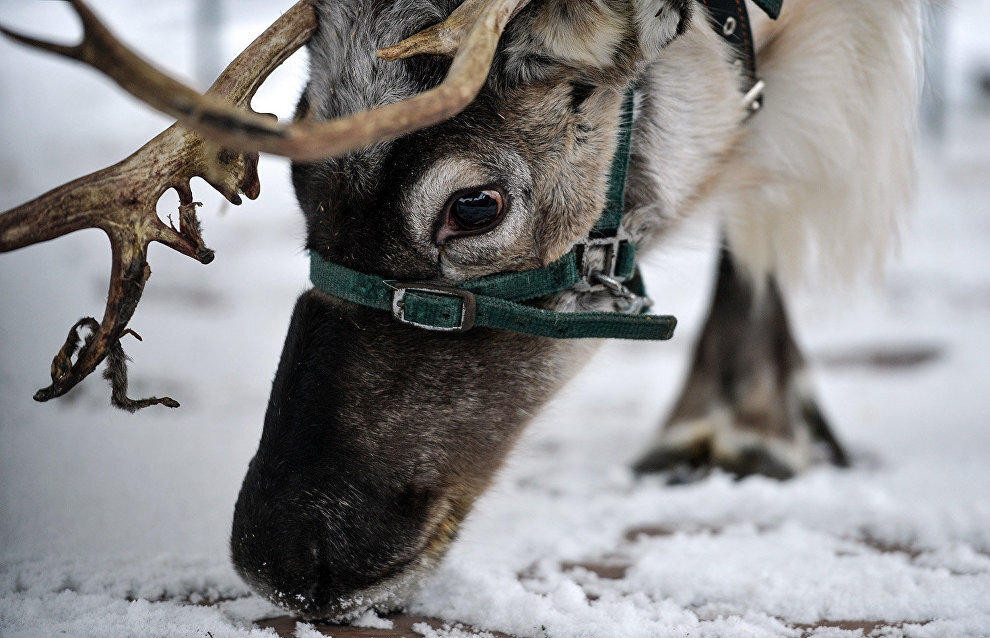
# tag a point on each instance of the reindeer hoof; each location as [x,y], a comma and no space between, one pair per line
[688,466]
[688,449]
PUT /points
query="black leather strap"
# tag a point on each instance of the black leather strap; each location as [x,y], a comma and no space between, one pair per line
[730,20]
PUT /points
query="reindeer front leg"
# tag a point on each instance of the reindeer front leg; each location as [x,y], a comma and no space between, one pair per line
[747,406]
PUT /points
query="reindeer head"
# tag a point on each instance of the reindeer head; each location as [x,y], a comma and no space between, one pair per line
[379,436]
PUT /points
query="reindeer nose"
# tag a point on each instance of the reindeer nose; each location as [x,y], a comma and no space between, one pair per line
[332,510]
[316,549]
[284,557]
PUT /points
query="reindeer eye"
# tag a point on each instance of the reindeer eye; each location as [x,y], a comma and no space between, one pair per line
[470,212]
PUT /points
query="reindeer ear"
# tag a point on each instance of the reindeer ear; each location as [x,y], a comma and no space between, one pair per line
[659,22]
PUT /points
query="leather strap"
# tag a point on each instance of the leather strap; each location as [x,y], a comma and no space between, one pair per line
[730,19]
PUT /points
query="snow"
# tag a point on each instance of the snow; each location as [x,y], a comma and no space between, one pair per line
[306,630]
[371,619]
[116,525]
[448,632]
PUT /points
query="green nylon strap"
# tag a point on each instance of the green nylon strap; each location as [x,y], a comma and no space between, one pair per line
[494,301]
[528,284]
[376,292]
[510,286]
[772,7]
[446,311]
[615,203]
[436,310]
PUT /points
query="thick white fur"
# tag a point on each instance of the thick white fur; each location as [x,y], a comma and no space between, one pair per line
[826,169]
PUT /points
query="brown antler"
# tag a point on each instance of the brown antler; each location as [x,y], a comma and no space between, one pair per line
[121,200]
[473,30]
[446,38]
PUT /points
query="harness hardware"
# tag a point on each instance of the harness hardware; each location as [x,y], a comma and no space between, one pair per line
[627,301]
[468,313]
[753,99]
[611,250]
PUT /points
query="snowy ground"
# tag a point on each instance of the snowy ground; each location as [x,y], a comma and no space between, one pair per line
[116,525]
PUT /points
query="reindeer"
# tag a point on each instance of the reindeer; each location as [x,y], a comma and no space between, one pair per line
[482,149]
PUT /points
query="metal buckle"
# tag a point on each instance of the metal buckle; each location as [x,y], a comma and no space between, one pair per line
[753,100]
[611,246]
[469,306]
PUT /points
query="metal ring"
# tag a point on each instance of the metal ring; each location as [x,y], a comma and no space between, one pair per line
[730,26]
[626,301]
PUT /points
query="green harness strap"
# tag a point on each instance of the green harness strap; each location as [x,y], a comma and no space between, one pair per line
[615,202]
[458,308]
[495,301]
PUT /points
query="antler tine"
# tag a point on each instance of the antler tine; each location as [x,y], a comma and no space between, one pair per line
[308,140]
[474,31]
[440,39]
[118,202]
[444,38]
[122,199]
[101,50]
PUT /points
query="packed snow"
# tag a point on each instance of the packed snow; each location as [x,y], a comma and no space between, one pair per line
[117,525]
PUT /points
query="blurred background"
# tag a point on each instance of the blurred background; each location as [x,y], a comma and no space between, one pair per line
[903,366]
